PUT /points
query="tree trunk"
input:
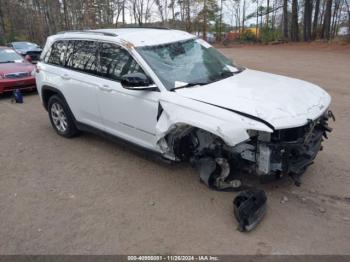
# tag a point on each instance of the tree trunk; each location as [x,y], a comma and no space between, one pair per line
[337,7]
[348,7]
[315,24]
[2,25]
[326,29]
[285,20]
[220,22]
[294,27]
[123,12]
[257,19]
[307,20]
[243,16]
[205,22]
[267,13]
[188,15]
[65,15]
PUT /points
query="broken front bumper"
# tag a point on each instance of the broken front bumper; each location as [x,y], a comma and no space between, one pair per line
[291,151]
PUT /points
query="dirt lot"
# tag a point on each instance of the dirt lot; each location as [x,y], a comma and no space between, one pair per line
[90,196]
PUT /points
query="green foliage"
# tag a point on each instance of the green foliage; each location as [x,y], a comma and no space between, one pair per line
[268,35]
[248,36]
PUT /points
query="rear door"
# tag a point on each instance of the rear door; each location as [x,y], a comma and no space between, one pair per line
[81,81]
[130,114]
[70,66]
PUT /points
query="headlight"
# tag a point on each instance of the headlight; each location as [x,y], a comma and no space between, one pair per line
[261,135]
[252,133]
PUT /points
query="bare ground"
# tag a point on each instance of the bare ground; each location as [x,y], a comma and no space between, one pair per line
[90,196]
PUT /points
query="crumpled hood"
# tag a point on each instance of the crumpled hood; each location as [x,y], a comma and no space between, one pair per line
[281,101]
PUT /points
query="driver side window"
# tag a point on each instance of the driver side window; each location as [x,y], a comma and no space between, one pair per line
[116,62]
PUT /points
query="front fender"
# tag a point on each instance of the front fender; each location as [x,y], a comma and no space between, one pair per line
[230,127]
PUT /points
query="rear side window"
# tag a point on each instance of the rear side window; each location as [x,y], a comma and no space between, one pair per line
[81,56]
[116,62]
[56,53]
[68,59]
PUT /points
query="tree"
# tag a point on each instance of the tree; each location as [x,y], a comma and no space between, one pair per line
[267,13]
[234,8]
[162,6]
[187,9]
[315,23]
[294,31]
[220,21]
[285,20]
[243,15]
[347,3]
[205,19]
[326,29]
[307,19]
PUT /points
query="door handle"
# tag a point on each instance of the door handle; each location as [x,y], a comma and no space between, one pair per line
[105,88]
[65,76]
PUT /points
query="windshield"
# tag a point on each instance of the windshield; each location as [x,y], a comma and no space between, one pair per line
[24,45]
[187,63]
[9,56]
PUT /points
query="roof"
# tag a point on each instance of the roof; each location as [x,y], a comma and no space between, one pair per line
[139,36]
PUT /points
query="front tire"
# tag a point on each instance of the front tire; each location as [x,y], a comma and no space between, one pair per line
[61,117]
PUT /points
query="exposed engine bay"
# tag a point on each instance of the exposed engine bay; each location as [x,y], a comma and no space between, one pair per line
[269,155]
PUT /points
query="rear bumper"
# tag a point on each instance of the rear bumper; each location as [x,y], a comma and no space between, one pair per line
[8,85]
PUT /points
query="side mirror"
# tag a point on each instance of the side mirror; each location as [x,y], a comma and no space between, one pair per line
[137,81]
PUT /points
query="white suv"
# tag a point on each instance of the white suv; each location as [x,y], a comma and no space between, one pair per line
[170,92]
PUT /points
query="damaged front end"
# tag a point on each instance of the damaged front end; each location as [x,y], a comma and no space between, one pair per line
[286,151]
[269,155]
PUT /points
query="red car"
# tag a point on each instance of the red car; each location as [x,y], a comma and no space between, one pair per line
[15,72]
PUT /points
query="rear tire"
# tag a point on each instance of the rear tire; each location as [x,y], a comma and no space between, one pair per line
[61,118]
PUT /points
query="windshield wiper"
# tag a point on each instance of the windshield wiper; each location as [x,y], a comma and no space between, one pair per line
[6,62]
[189,85]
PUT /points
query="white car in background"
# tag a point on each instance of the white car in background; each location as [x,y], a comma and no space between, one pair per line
[174,94]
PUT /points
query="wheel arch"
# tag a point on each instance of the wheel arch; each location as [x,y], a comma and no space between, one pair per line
[172,117]
[48,91]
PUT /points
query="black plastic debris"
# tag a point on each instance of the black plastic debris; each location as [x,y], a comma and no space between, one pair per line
[206,167]
[215,173]
[249,208]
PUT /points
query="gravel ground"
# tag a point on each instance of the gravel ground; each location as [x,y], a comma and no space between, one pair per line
[88,195]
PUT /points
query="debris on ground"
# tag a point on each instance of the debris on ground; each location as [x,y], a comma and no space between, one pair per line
[215,174]
[284,200]
[322,210]
[249,208]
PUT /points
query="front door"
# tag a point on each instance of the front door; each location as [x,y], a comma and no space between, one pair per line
[130,114]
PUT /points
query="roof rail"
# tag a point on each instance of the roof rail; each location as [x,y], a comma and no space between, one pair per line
[89,32]
[144,27]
